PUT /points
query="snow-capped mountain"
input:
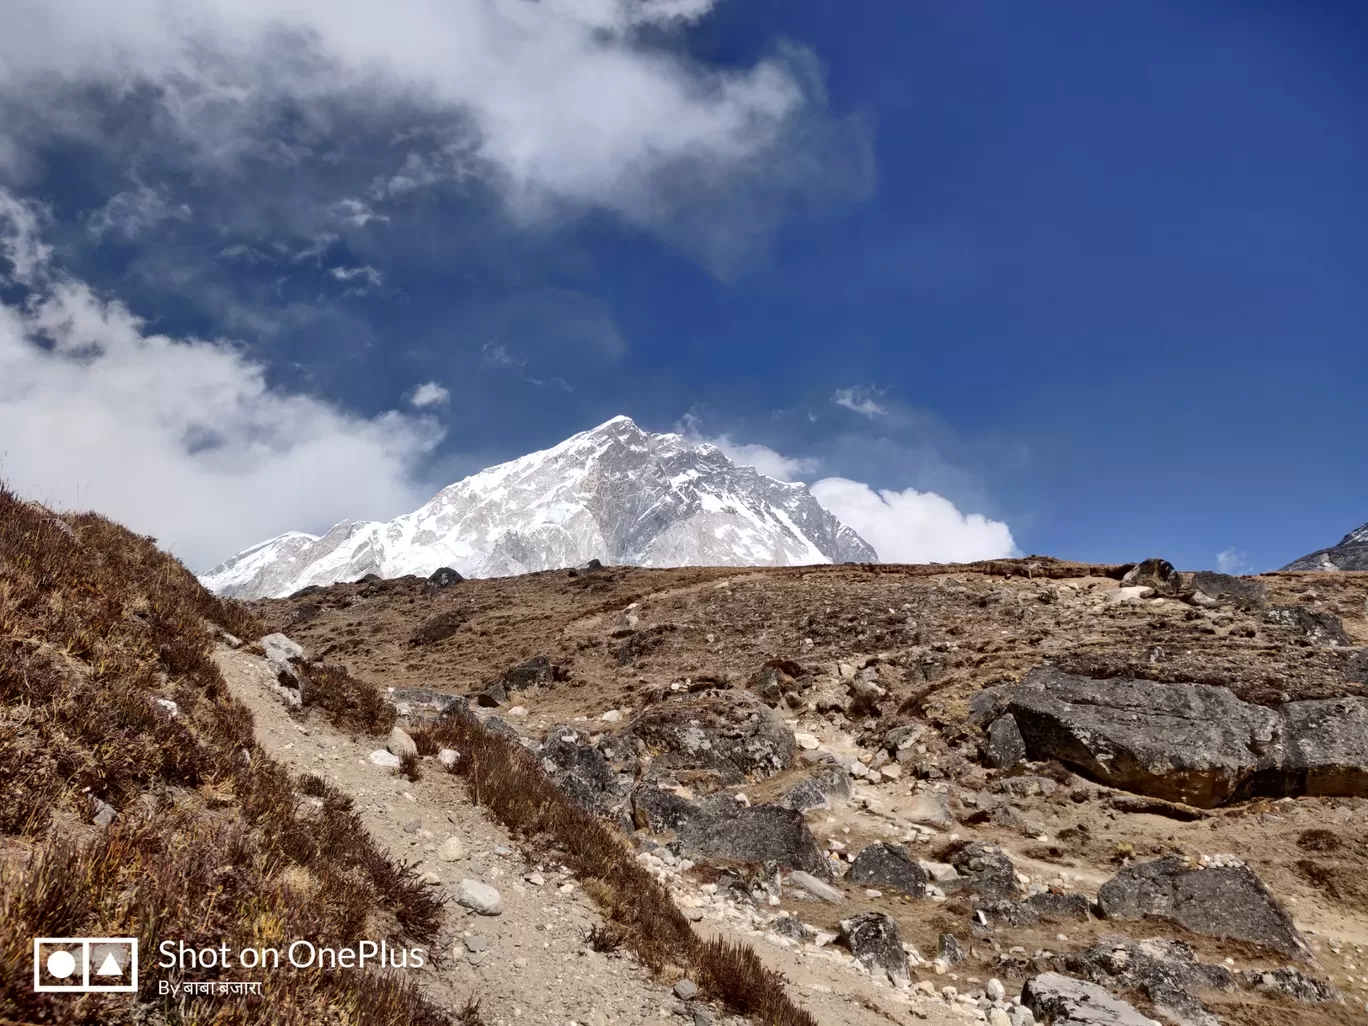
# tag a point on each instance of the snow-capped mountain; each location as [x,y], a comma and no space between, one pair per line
[1350,554]
[616,493]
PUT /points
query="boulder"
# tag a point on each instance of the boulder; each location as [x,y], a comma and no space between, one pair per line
[1356,667]
[493,696]
[817,791]
[480,898]
[400,744]
[1064,1001]
[1003,747]
[1058,907]
[1209,589]
[279,647]
[984,869]
[1327,747]
[582,772]
[732,737]
[771,683]
[536,672]
[1166,972]
[819,889]
[1319,628]
[888,865]
[1291,982]
[876,943]
[1190,743]
[789,926]
[1157,574]
[1228,902]
[948,948]
[927,808]
[659,810]
[756,833]
[442,577]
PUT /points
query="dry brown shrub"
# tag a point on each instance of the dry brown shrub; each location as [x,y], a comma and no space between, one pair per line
[348,703]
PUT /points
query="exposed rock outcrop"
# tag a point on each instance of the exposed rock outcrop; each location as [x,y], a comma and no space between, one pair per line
[731,736]
[757,833]
[888,865]
[1226,901]
[876,943]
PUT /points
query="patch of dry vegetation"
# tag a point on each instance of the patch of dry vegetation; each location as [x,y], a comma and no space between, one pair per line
[506,779]
[214,843]
[348,703]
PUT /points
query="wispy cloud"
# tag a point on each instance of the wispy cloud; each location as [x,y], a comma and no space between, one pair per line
[371,276]
[429,394]
[356,213]
[132,213]
[859,400]
[765,460]
[1232,561]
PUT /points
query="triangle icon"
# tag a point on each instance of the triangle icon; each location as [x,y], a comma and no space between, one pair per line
[109,967]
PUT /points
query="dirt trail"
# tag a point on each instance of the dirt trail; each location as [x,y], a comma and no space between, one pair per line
[536,967]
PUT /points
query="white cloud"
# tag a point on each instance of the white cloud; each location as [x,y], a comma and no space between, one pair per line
[131,213]
[356,213]
[429,394]
[182,439]
[912,526]
[557,101]
[1232,561]
[747,454]
[859,400]
[372,276]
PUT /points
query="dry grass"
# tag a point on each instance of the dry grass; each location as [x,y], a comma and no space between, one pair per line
[348,703]
[214,843]
[506,779]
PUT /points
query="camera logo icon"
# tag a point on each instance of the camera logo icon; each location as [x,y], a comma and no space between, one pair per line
[85,965]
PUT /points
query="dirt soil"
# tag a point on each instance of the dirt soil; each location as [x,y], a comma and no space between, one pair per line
[624,638]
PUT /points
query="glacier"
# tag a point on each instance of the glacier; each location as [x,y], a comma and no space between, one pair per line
[615,493]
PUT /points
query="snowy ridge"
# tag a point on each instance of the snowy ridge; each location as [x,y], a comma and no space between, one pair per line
[1350,554]
[615,493]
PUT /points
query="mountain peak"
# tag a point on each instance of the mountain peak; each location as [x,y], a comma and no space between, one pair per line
[1350,554]
[615,493]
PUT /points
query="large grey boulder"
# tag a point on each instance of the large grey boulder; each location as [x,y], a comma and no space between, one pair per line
[1228,902]
[1154,573]
[876,943]
[756,833]
[1190,743]
[1004,746]
[1356,667]
[582,771]
[1064,1001]
[1327,747]
[888,865]
[732,737]
[1206,588]
[817,791]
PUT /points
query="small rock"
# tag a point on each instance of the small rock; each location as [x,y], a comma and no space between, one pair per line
[995,990]
[611,716]
[817,888]
[451,850]
[400,744]
[167,706]
[997,1017]
[476,943]
[479,897]
[104,813]
[413,826]
[686,990]
[380,757]
[448,757]
[808,742]
[948,948]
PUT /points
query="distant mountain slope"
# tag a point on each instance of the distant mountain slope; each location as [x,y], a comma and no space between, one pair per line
[1350,554]
[616,493]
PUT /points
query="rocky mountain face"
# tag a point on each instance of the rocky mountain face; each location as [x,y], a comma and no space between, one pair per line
[1350,554]
[616,493]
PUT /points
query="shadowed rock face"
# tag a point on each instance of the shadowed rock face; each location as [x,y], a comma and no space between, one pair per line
[1208,588]
[1229,902]
[1192,743]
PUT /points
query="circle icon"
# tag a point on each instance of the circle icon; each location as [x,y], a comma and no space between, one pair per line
[61,964]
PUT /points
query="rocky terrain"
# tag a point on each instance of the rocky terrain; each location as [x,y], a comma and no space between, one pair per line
[1019,791]
[614,493]
[1350,554]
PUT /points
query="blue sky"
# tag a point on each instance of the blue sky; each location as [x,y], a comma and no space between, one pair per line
[1091,271]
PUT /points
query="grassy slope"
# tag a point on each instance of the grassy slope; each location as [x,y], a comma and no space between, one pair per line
[213,843]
